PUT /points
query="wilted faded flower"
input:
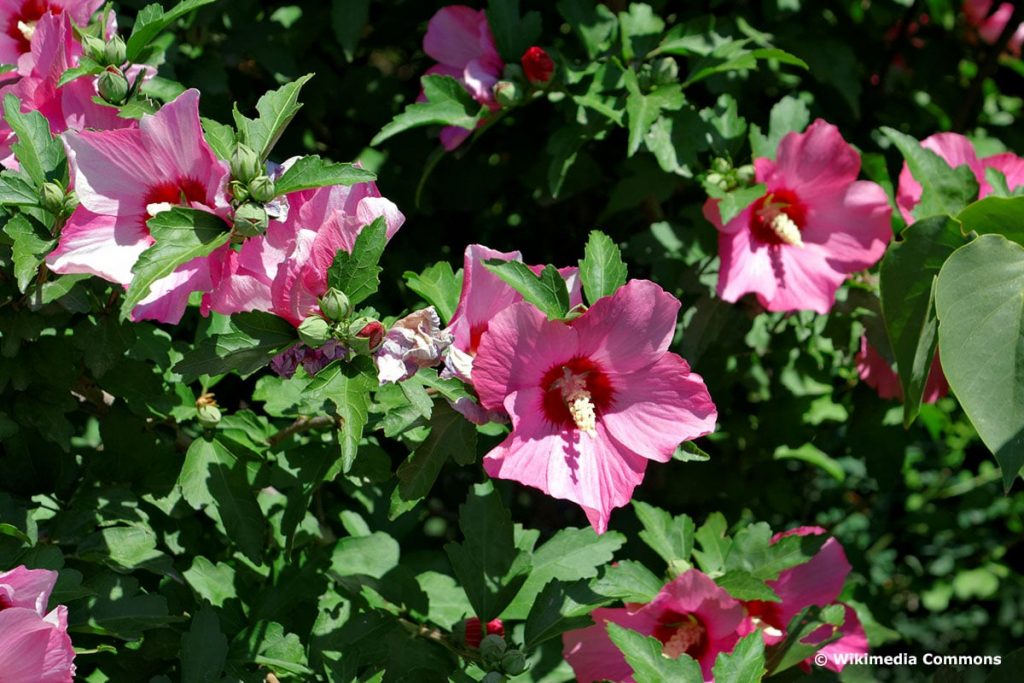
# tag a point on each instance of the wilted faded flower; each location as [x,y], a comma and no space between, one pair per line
[416,341]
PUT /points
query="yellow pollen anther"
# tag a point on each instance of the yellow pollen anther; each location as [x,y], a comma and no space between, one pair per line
[28,29]
[687,636]
[786,230]
[578,400]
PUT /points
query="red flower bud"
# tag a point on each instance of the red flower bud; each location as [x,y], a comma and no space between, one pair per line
[475,632]
[374,332]
[537,65]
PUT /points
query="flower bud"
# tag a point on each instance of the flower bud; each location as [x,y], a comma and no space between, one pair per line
[537,65]
[113,86]
[261,188]
[209,415]
[745,174]
[53,198]
[246,164]
[335,305]
[314,331]
[95,49]
[239,192]
[666,71]
[492,648]
[721,165]
[472,631]
[493,677]
[250,220]
[365,335]
[507,93]
[513,662]
[114,52]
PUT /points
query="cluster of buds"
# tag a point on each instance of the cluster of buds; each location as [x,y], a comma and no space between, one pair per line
[251,188]
[535,71]
[361,335]
[489,640]
[57,200]
[112,52]
[726,178]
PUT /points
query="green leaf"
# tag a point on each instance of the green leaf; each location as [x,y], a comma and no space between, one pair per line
[254,339]
[547,291]
[644,109]
[357,274]
[181,234]
[204,649]
[38,152]
[513,33]
[789,115]
[152,20]
[644,656]
[214,583]
[221,137]
[745,664]
[641,30]
[677,138]
[735,56]
[907,277]
[125,548]
[276,110]
[944,190]
[979,300]
[628,581]
[812,455]
[560,607]
[487,563]
[714,544]
[31,245]
[996,216]
[348,387]
[311,171]
[602,269]
[451,437]
[731,204]
[374,555]
[569,555]
[670,537]
[14,191]
[86,67]
[348,19]
[438,286]
[448,104]
[743,585]
[594,24]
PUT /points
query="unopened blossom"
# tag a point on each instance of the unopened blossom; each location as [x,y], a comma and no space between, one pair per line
[70,107]
[591,401]
[878,373]
[20,21]
[312,360]
[815,225]
[537,65]
[817,582]
[690,615]
[475,631]
[34,644]
[416,341]
[125,177]
[460,40]
[957,150]
[990,24]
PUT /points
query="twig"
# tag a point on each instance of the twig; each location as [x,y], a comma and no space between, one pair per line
[304,424]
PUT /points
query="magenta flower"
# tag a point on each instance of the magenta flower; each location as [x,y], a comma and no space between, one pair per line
[956,150]
[591,401]
[990,24]
[816,225]
[460,39]
[34,645]
[123,178]
[819,581]
[691,615]
[878,373]
[70,107]
[416,341]
[20,21]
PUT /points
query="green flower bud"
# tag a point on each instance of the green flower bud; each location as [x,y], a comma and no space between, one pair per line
[364,335]
[246,164]
[335,305]
[114,52]
[113,86]
[314,331]
[53,198]
[95,49]
[721,165]
[239,192]
[745,174]
[494,677]
[513,662]
[209,415]
[262,189]
[666,71]
[250,220]
[714,178]
[492,648]
[70,202]
[507,93]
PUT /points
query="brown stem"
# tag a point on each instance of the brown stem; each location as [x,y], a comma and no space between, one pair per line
[304,424]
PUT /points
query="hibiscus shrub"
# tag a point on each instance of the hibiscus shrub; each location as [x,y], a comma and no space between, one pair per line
[272,411]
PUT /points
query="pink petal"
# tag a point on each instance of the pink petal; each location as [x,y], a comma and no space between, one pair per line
[104,246]
[592,654]
[956,150]
[805,279]
[479,78]
[483,296]
[1010,165]
[630,329]
[746,265]
[109,169]
[657,408]
[875,371]
[34,649]
[234,289]
[453,136]
[27,588]
[815,161]
[693,592]
[854,226]
[169,296]
[853,641]
[819,581]
[453,35]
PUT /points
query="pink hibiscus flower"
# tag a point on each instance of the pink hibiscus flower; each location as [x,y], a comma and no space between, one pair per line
[284,271]
[34,645]
[816,225]
[956,150]
[691,615]
[20,20]
[990,24]
[819,581]
[68,108]
[591,401]
[460,39]
[123,178]
[879,374]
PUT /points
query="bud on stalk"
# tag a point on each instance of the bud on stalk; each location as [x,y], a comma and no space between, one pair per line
[113,86]
[314,331]
[250,220]
[262,189]
[246,164]
[335,305]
